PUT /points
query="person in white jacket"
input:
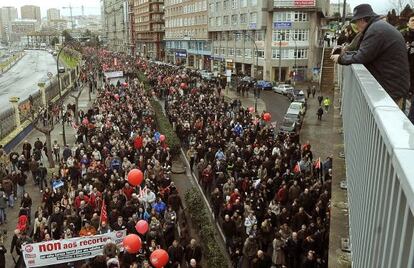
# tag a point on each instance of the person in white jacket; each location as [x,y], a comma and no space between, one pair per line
[249,222]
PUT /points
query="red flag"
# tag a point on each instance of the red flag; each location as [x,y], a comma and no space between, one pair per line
[296,169]
[104,216]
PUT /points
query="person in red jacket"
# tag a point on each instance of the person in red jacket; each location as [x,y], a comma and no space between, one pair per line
[128,191]
[282,195]
[81,197]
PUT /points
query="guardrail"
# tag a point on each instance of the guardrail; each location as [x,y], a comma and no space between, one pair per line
[379,151]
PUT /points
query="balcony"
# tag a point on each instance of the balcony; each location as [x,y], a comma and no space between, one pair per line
[294,3]
[379,154]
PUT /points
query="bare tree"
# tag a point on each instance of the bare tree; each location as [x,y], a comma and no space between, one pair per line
[76,97]
[399,5]
[46,128]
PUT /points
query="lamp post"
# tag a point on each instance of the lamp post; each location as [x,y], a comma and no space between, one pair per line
[254,67]
[282,36]
[295,67]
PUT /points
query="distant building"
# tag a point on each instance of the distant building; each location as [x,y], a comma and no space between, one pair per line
[22,27]
[7,15]
[186,35]
[53,14]
[335,8]
[56,25]
[147,27]
[115,24]
[30,12]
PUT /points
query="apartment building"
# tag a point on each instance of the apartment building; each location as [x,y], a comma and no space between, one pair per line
[53,14]
[30,12]
[147,28]
[186,34]
[266,39]
[7,15]
[115,24]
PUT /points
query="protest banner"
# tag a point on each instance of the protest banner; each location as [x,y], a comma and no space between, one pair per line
[50,252]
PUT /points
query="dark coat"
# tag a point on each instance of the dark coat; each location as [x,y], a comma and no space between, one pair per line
[409,40]
[383,52]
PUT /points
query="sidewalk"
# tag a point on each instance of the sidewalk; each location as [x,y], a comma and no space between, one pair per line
[31,188]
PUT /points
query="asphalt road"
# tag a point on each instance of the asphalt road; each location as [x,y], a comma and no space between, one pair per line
[21,80]
[276,104]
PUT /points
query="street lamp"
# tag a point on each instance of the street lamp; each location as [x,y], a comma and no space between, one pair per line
[282,36]
[254,67]
[295,67]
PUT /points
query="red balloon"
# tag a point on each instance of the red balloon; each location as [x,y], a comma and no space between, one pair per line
[183,85]
[135,177]
[142,227]
[267,117]
[162,137]
[251,109]
[159,258]
[132,243]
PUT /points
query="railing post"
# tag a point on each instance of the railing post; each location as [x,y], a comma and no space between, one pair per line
[15,104]
[70,77]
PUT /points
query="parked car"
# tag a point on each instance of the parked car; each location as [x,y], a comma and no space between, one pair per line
[288,126]
[294,115]
[283,89]
[263,84]
[299,106]
[297,95]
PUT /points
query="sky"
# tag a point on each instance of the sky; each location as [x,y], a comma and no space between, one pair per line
[91,7]
[379,6]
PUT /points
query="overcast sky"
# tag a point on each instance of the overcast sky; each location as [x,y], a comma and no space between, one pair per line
[379,6]
[91,7]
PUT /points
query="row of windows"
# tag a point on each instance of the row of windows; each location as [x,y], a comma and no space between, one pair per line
[290,35]
[200,46]
[291,16]
[232,36]
[186,9]
[183,22]
[300,53]
[234,19]
[180,33]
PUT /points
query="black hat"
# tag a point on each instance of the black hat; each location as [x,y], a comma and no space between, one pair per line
[362,11]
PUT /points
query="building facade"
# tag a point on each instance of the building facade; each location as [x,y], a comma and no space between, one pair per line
[30,12]
[271,40]
[7,15]
[186,33]
[115,24]
[338,8]
[147,28]
[53,14]
[20,28]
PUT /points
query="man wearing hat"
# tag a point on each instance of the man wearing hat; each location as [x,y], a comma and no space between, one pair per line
[383,52]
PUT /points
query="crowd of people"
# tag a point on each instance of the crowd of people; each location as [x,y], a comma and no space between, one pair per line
[267,191]
[117,133]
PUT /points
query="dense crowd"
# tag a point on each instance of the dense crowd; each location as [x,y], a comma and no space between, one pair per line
[269,193]
[116,134]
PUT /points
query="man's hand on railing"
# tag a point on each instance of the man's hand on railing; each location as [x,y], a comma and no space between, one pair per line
[335,58]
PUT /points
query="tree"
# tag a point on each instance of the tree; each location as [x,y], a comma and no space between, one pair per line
[67,36]
[405,15]
[392,18]
[337,15]
[46,129]
[54,41]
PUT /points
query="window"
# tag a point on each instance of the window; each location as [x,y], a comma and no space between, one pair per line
[275,53]
[300,35]
[231,51]
[231,36]
[234,4]
[260,36]
[300,16]
[243,18]
[210,21]
[253,17]
[254,2]
[234,19]
[243,3]
[238,52]
[248,52]
[300,53]
[225,4]
[282,16]
[238,36]
[226,20]
[218,21]
[216,6]
[280,35]
[223,51]
[260,53]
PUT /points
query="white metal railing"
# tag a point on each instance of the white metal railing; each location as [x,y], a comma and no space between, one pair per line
[379,151]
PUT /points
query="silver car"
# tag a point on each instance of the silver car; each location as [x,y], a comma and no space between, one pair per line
[283,89]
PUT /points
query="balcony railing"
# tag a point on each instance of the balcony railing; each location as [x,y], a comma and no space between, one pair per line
[294,3]
[379,151]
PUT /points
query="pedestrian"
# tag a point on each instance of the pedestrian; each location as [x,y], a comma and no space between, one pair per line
[56,151]
[320,99]
[383,52]
[326,104]
[3,206]
[193,251]
[41,177]
[308,91]
[313,91]
[319,113]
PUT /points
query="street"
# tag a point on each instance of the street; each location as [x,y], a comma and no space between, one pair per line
[276,104]
[21,80]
